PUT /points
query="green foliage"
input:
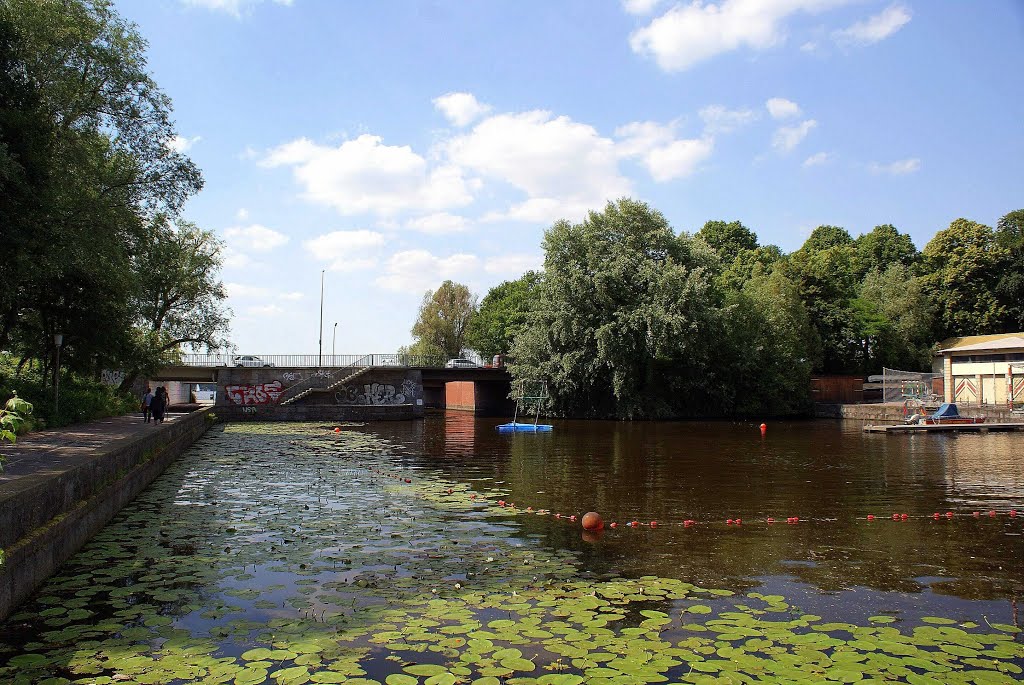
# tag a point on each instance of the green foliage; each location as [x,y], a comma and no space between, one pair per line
[88,186]
[501,315]
[899,333]
[964,264]
[624,313]
[728,240]
[82,398]
[1010,287]
[443,319]
[12,419]
[883,247]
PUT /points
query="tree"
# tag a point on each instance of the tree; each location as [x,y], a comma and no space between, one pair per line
[963,265]
[444,317]
[624,313]
[1010,287]
[728,239]
[85,166]
[501,315]
[899,333]
[883,247]
[824,270]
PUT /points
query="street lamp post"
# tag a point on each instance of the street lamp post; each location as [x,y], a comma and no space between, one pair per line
[320,361]
[58,340]
[333,339]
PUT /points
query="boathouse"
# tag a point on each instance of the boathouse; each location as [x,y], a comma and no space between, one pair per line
[978,369]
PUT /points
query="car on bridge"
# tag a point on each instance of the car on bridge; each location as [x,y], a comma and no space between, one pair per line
[250,360]
[461,364]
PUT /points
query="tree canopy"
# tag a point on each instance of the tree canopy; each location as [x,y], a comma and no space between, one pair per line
[91,190]
[443,319]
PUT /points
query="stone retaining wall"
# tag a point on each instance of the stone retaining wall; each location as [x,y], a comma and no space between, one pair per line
[45,518]
[893,413]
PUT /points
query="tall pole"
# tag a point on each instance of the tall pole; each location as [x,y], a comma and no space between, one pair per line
[333,338]
[320,361]
[58,339]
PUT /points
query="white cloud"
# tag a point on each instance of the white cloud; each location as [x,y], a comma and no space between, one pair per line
[719,119]
[239,290]
[255,237]
[181,144]
[664,157]
[242,214]
[875,28]
[266,310]
[555,161]
[461,109]
[809,46]
[438,223]
[346,250]
[233,7]
[416,271]
[900,167]
[817,159]
[690,33]
[364,175]
[233,259]
[640,6]
[788,137]
[512,266]
[781,108]
[291,297]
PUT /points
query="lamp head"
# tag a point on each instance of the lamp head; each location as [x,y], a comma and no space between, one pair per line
[58,339]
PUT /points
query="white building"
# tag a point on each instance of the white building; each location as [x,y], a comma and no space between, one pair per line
[976,369]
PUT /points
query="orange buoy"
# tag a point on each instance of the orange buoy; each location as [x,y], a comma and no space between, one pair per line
[337,430]
[592,521]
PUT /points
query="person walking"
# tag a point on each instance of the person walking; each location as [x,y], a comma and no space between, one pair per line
[147,401]
[159,404]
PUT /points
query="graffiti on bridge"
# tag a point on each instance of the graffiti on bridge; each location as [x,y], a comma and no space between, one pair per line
[376,393]
[264,393]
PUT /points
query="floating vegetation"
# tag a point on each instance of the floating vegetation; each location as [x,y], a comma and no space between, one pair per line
[282,554]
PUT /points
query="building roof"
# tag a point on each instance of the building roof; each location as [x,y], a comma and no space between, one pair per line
[979,343]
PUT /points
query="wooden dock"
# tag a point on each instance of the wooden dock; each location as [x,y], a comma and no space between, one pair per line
[946,428]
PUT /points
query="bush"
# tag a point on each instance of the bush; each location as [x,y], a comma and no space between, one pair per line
[81,398]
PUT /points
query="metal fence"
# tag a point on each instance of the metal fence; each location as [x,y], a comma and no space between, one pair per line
[312,361]
[909,386]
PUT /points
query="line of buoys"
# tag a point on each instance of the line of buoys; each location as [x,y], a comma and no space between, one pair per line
[592,521]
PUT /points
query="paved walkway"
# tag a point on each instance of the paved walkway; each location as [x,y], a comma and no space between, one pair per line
[51,451]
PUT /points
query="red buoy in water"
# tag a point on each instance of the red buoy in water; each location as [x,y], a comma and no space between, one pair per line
[613,525]
[871,517]
[764,429]
[337,430]
[592,521]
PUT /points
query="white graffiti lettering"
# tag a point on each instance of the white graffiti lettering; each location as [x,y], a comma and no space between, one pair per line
[265,393]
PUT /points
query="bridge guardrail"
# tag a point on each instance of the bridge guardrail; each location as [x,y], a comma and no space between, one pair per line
[312,361]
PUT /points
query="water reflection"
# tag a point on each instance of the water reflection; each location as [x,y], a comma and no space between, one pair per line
[829,474]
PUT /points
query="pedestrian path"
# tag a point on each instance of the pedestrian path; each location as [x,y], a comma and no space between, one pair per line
[49,452]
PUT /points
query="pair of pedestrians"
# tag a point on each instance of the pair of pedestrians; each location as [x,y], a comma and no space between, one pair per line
[155,404]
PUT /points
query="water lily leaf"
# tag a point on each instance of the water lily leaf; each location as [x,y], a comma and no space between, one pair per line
[425,669]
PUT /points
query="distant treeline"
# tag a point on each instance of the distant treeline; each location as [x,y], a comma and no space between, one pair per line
[91,187]
[629,319]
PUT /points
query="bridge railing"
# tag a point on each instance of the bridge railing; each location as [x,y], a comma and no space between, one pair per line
[312,361]
[321,380]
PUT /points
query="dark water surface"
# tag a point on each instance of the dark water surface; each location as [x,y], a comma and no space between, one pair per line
[289,554]
[830,474]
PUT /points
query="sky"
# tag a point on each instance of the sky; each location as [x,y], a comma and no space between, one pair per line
[386,146]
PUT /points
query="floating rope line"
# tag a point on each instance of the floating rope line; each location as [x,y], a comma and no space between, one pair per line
[507,506]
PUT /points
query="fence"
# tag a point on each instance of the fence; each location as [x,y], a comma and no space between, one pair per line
[909,386]
[313,361]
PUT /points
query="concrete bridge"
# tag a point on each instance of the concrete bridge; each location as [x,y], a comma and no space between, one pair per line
[367,387]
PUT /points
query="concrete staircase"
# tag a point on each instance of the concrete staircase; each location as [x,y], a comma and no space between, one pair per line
[306,392]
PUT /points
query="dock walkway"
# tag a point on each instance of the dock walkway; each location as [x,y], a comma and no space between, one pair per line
[946,428]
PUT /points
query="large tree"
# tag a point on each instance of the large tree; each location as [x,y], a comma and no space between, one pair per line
[964,263]
[1010,287]
[443,318]
[501,315]
[882,247]
[728,239]
[625,317]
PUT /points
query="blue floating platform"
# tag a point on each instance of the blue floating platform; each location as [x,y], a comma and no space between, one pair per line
[524,428]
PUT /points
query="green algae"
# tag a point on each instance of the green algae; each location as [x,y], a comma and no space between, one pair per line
[284,554]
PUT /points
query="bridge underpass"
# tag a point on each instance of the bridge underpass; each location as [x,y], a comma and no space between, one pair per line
[307,391]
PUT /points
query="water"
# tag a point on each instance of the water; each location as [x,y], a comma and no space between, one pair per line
[288,554]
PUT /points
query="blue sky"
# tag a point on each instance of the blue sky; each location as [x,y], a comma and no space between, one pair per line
[396,144]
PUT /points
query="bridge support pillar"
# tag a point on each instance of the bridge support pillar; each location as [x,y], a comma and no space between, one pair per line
[483,399]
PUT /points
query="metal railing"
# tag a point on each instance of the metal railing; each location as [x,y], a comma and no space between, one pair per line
[312,361]
[318,381]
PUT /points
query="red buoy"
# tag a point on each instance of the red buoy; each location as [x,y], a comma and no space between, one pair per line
[904,517]
[688,523]
[764,429]
[771,520]
[871,517]
[613,525]
[949,514]
[654,524]
[337,430]
[592,521]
